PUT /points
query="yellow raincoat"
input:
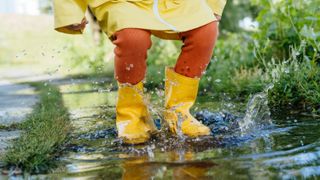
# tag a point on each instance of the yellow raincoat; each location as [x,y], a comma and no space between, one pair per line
[165,18]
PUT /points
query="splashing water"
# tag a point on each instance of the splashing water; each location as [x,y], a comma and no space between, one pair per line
[158,112]
[257,112]
[179,127]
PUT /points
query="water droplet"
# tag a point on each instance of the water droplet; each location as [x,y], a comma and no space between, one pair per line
[217,80]
[301,142]
[287,70]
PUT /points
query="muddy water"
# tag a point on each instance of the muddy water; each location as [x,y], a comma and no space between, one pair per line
[287,148]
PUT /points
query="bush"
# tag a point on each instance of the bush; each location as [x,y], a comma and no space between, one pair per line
[284,51]
[233,69]
[296,85]
[284,24]
[163,53]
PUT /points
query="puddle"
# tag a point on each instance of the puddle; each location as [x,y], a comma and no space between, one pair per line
[287,148]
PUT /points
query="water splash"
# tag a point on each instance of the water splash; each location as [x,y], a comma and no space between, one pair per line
[256,117]
[257,112]
[179,126]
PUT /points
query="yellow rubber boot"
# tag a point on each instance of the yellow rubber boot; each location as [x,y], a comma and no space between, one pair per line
[181,93]
[133,120]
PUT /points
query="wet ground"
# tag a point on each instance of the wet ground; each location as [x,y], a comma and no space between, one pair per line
[16,100]
[286,148]
[246,143]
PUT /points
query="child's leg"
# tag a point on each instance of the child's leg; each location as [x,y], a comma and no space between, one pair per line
[181,86]
[197,50]
[133,120]
[131,54]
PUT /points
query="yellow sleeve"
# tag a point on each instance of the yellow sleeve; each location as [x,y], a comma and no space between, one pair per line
[68,12]
[217,6]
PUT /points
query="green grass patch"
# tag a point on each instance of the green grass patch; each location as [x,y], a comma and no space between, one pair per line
[296,86]
[45,131]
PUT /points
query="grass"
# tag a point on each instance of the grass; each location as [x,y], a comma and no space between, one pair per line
[44,132]
[296,86]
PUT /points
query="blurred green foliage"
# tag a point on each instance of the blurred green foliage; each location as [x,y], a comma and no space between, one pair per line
[163,53]
[287,44]
[232,56]
[89,58]
[236,10]
[285,24]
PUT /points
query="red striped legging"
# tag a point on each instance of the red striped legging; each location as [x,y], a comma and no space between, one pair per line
[132,45]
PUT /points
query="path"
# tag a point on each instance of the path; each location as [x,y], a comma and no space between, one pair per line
[16,101]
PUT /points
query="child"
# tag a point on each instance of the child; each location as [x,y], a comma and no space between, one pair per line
[129,25]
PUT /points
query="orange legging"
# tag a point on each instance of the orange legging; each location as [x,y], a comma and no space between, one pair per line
[132,45]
